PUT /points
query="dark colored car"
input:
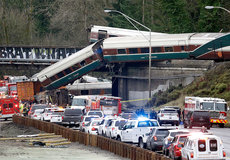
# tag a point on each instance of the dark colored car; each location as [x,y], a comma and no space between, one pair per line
[36,106]
[155,140]
[197,119]
[72,117]
[176,145]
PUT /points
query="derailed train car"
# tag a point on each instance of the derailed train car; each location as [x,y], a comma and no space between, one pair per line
[72,67]
[210,46]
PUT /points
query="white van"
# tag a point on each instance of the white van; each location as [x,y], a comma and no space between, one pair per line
[203,146]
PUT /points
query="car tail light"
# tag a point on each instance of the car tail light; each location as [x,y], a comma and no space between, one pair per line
[83,124]
[93,129]
[191,154]
[155,138]
[224,154]
[35,115]
[113,128]
[62,117]
[162,115]
[191,119]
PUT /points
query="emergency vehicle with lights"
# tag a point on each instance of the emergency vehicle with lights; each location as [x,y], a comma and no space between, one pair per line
[203,146]
[109,105]
[8,107]
[137,131]
[216,106]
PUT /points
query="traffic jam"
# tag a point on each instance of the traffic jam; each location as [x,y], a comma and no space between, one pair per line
[167,130]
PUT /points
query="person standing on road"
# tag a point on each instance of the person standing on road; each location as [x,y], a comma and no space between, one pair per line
[153,114]
[21,106]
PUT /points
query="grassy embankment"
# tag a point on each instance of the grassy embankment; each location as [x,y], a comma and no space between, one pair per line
[214,83]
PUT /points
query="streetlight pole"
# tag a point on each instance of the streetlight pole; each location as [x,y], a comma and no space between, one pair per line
[212,7]
[130,21]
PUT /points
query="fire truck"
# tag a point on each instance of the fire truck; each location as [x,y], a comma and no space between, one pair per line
[8,107]
[216,106]
[109,105]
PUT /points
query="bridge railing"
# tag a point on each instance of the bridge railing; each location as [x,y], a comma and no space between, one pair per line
[114,146]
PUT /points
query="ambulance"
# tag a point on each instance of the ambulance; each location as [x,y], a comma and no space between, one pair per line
[8,107]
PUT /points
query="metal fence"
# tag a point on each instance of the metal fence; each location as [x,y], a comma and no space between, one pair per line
[119,148]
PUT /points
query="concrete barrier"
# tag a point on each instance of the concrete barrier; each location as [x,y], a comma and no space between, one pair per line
[122,149]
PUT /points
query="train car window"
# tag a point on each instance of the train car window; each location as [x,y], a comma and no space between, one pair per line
[121,51]
[144,50]
[113,35]
[75,67]
[11,105]
[168,49]
[53,78]
[60,74]
[102,34]
[182,48]
[133,50]
[82,63]
[156,49]
[68,71]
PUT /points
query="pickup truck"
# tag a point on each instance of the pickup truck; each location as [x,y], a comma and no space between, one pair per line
[72,117]
[137,131]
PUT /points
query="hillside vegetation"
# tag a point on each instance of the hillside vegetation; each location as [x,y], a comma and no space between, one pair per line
[214,83]
[65,22]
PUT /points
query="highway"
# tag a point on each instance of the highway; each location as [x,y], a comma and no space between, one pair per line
[224,133]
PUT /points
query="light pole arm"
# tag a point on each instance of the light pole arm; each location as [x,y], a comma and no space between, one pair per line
[212,7]
[223,9]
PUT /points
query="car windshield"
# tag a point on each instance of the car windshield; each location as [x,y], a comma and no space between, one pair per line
[95,113]
[78,102]
[182,139]
[169,111]
[89,118]
[38,107]
[147,124]
[38,110]
[73,112]
[162,132]
[120,123]
[173,134]
[221,107]
[96,123]
[207,106]
[57,113]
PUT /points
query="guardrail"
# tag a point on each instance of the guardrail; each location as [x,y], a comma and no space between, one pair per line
[114,146]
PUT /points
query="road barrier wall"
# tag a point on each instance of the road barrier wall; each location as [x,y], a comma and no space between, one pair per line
[119,148]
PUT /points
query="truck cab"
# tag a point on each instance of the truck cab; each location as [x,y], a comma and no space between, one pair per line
[137,131]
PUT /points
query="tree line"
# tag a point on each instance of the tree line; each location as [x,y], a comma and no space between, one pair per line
[65,22]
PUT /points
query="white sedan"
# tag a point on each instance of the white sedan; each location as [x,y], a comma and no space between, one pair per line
[37,114]
[92,127]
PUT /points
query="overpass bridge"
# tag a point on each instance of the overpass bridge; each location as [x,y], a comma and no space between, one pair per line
[29,60]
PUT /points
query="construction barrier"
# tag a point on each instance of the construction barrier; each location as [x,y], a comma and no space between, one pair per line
[119,148]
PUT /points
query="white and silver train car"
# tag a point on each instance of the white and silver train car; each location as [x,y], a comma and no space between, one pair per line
[69,69]
[103,32]
[212,46]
